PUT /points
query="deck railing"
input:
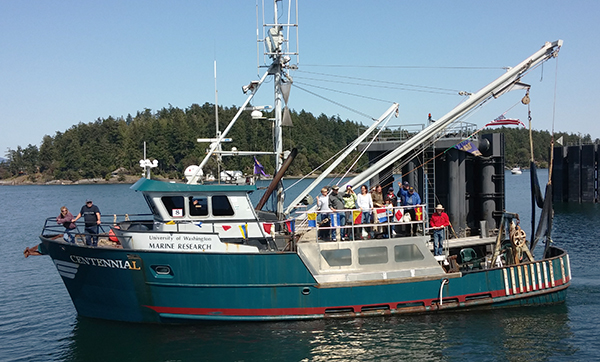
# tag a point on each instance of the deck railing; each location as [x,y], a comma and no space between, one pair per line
[385,222]
[52,228]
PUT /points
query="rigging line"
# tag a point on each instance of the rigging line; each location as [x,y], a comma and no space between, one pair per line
[336,103]
[550,169]
[554,101]
[516,104]
[356,158]
[363,152]
[378,81]
[321,165]
[397,66]
[342,92]
[424,162]
[421,149]
[378,86]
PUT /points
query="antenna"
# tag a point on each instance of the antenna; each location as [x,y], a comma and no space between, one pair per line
[218,134]
[279,38]
[216,101]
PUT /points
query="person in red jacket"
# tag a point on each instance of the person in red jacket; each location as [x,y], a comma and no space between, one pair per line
[438,222]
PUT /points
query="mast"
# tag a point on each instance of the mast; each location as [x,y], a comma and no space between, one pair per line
[217,133]
[277,48]
[278,131]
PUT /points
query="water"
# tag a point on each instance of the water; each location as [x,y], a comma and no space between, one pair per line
[38,321]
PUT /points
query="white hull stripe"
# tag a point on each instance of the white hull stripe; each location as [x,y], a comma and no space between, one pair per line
[551,266]
[526,274]
[546,284]
[512,279]
[506,285]
[539,274]
[532,268]
[66,269]
[520,274]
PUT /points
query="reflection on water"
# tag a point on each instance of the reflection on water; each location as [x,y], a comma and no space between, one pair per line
[530,334]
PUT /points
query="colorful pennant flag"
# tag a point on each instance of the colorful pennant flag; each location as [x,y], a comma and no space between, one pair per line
[198,224]
[335,219]
[170,222]
[381,215]
[419,213]
[357,217]
[244,231]
[267,226]
[226,227]
[291,225]
[398,215]
[312,219]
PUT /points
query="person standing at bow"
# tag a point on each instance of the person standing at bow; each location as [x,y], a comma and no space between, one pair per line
[91,216]
[66,219]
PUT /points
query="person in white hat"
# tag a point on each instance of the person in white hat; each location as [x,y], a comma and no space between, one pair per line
[438,222]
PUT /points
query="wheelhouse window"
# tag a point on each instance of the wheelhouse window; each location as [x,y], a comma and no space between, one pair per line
[198,206]
[221,206]
[150,203]
[373,255]
[174,205]
[337,257]
[407,253]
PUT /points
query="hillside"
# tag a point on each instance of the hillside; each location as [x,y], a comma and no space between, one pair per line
[95,150]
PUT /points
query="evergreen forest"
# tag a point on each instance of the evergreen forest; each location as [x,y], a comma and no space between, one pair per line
[98,149]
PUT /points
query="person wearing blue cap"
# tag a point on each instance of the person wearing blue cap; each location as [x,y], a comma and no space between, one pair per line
[412,199]
[402,192]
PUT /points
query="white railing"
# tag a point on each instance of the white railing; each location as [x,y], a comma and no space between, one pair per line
[384,222]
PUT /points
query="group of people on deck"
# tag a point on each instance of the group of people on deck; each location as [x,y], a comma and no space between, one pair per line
[328,204]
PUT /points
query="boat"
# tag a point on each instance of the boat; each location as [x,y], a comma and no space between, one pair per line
[206,252]
[516,170]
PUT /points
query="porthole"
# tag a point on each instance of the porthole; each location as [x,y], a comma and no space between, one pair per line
[162,269]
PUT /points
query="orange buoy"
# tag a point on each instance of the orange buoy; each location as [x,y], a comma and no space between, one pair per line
[112,236]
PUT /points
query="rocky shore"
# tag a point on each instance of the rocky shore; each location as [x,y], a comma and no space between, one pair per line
[26,180]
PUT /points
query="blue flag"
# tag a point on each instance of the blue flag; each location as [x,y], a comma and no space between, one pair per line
[468,146]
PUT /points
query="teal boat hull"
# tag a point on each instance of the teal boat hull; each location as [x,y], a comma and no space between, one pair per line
[163,287]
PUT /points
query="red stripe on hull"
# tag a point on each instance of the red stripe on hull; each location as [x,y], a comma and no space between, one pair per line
[265,312]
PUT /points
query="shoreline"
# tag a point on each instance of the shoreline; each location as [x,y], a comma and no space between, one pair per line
[25,181]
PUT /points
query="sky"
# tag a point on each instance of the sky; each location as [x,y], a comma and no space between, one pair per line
[66,62]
